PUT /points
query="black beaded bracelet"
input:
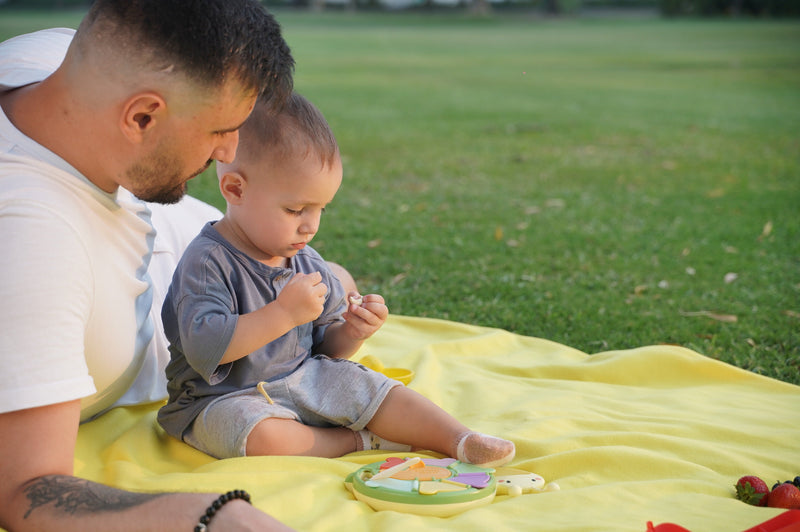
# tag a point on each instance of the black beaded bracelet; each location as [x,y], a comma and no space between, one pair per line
[212,510]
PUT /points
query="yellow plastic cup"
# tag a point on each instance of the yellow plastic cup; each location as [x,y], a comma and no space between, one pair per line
[399,374]
[372,362]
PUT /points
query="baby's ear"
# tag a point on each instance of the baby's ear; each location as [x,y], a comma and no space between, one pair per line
[232,185]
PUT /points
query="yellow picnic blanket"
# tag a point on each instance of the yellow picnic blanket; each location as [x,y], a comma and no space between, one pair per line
[657,434]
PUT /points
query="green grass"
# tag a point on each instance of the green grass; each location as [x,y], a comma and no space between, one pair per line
[589,181]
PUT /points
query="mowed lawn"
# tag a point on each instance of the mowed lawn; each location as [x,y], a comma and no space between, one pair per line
[603,183]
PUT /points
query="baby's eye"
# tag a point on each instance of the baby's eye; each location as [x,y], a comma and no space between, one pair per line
[294,212]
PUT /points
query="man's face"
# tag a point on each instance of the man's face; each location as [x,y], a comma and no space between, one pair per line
[198,131]
[161,178]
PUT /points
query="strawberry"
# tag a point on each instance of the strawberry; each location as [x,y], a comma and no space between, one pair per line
[785,496]
[752,490]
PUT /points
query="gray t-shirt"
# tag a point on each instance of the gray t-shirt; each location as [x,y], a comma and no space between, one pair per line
[213,284]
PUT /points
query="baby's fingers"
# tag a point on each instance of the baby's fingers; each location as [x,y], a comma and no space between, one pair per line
[371,312]
[375,304]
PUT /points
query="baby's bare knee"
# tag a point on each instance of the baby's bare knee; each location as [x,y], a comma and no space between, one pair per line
[269,438]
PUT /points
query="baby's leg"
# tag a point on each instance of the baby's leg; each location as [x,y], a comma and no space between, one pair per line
[405,416]
[283,437]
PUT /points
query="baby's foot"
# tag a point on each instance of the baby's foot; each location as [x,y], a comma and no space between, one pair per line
[483,450]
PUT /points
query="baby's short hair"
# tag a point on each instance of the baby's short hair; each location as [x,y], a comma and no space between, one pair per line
[298,130]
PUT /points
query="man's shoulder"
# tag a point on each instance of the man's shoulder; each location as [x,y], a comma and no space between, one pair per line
[179,224]
[28,191]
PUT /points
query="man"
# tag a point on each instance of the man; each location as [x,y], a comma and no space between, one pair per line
[143,97]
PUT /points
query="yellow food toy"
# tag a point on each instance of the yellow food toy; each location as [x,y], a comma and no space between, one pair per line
[515,482]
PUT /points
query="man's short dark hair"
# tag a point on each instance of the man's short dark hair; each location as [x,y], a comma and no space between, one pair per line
[206,40]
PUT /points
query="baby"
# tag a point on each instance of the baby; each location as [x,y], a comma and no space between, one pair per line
[261,329]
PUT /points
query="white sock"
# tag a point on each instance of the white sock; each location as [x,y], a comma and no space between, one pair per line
[370,441]
[483,450]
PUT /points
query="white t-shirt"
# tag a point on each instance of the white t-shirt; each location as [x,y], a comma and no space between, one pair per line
[177,226]
[76,300]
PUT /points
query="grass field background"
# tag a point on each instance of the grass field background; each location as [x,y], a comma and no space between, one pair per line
[604,183]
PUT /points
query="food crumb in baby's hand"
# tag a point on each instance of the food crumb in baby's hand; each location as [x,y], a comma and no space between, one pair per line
[356,300]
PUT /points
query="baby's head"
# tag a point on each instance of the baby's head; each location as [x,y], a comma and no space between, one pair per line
[287,169]
[269,139]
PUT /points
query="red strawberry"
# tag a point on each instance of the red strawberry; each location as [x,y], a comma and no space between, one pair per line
[752,490]
[785,496]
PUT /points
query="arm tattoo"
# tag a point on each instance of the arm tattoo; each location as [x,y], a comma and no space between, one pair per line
[76,496]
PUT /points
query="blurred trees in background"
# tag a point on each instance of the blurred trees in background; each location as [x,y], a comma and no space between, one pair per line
[669,8]
[771,8]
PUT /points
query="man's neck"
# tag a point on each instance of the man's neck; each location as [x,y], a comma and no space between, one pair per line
[44,113]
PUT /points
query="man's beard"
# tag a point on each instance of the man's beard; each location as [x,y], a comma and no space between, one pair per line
[158,179]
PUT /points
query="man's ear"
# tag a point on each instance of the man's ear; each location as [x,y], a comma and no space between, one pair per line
[140,114]
[232,185]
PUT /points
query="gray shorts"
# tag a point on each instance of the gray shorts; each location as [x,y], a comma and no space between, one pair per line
[322,392]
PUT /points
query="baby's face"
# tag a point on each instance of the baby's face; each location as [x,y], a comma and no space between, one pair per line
[281,213]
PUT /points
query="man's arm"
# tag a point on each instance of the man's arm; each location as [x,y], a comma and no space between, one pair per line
[38,491]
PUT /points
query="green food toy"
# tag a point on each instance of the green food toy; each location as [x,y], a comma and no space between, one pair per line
[435,487]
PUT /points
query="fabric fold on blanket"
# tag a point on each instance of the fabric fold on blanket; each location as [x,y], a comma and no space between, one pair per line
[658,433]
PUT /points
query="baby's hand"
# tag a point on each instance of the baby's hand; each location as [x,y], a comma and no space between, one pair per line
[365,314]
[303,297]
